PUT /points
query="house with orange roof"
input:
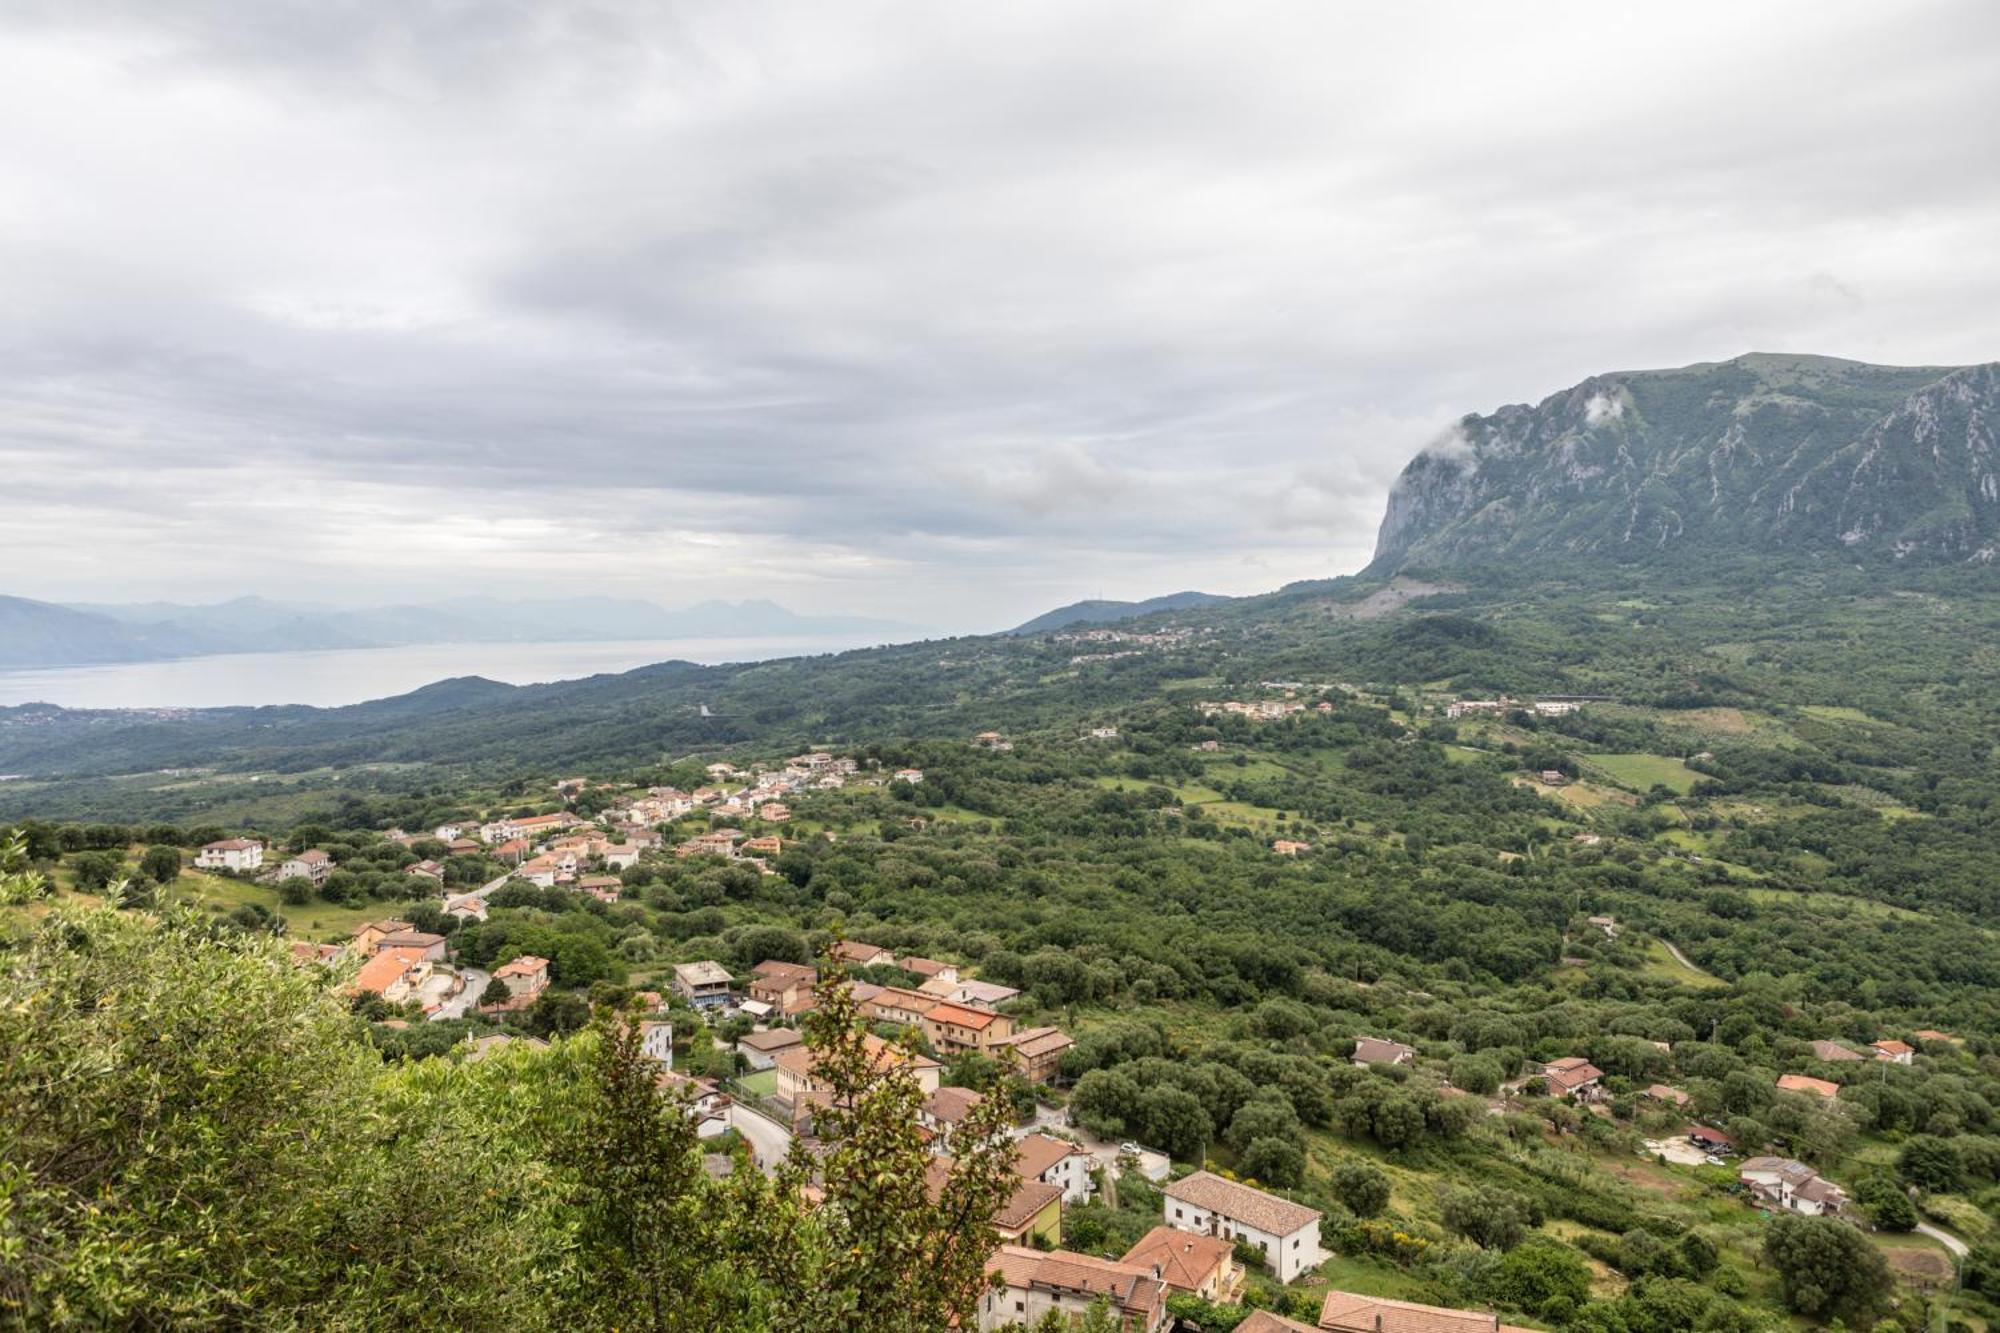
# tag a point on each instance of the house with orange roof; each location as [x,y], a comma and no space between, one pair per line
[952,1028]
[1893,1051]
[525,977]
[1030,1284]
[394,974]
[1574,1078]
[1817,1087]
[1035,1054]
[240,854]
[1208,1204]
[798,1079]
[786,987]
[1054,1161]
[1351,1312]
[1203,1266]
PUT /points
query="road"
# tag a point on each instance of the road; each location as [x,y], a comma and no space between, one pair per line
[1154,1165]
[1682,959]
[459,1005]
[767,1139]
[1958,1248]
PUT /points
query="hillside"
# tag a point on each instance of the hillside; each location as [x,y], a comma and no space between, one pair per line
[1104,612]
[37,634]
[1795,456]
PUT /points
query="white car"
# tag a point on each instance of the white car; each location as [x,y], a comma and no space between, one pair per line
[1129,1149]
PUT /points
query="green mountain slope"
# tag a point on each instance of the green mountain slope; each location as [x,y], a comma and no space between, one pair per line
[1794,455]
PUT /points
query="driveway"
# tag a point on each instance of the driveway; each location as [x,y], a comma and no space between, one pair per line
[459,1005]
[1959,1249]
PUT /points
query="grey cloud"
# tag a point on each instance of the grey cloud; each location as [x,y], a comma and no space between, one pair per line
[887,303]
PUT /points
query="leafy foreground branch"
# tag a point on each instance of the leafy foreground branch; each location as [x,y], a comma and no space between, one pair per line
[193,1134]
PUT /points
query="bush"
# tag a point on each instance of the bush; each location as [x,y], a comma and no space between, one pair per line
[1363,1189]
[1493,1219]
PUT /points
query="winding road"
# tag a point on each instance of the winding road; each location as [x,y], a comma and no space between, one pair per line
[1958,1248]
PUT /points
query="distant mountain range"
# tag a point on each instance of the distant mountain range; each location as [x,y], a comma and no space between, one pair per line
[1762,455]
[1099,612]
[41,634]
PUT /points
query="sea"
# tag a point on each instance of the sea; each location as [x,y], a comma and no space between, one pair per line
[333,677]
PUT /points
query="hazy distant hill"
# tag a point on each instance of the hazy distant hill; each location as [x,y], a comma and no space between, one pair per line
[1101,612]
[1794,455]
[145,631]
[35,634]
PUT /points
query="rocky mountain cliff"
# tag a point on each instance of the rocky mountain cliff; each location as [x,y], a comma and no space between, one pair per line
[1765,453]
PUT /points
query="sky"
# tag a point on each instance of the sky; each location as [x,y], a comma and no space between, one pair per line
[943,312]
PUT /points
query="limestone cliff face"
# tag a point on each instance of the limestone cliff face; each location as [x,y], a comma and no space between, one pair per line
[1762,453]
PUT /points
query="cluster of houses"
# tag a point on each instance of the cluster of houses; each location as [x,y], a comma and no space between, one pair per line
[1459,708]
[1888,1050]
[245,856]
[1259,710]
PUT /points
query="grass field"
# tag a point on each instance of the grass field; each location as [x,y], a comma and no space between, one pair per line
[1662,964]
[1641,771]
[764,1083]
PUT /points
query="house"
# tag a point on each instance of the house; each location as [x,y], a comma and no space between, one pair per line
[656,1040]
[1607,924]
[1895,1052]
[1286,847]
[451,830]
[775,812]
[1660,1092]
[465,847]
[1554,777]
[1932,1034]
[928,968]
[1263,1321]
[364,937]
[240,854]
[466,907]
[305,951]
[797,1080]
[525,977]
[707,1107]
[313,864]
[1203,1266]
[771,845]
[1817,1087]
[1711,1140]
[430,870]
[1103,734]
[394,974]
[1054,1161]
[1287,1232]
[1351,1312]
[429,945]
[1573,1077]
[913,776]
[1378,1051]
[979,994]
[1036,1054]
[704,985]
[1030,1284]
[897,1004]
[786,987]
[760,1049]
[944,1111]
[604,888]
[1833,1051]
[951,1028]
[1780,1182]
[862,954]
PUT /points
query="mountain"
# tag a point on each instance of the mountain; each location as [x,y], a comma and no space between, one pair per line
[1765,455]
[38,634]
[1101,612]
[151,631]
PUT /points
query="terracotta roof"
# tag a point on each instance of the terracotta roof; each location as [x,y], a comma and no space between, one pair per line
[1354,1313]
[1819,1087]
[1254,1207]
[231,845]
[1182,1259]
[1378,1051]
[1707,1135]
[1890,1046]
[902,997]
[313,856]
[781,973]
[924,967]
[1570,1073]
[1660,1092]
[1832,1050]
[1036,1153]
[388,927]
[773,1039]
[960,1016]
[408,939]
[857,951]
[1027,1200]
[952,1105]
[524,966]
[800,1060]
[1038,1041]
[985,992]
[386,968]
[1263,1321]
[1132,1289]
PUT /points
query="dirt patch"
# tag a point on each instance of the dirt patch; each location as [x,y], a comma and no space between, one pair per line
[1398,593]
[1650,1179]
[1925,1266]
[1678,1151]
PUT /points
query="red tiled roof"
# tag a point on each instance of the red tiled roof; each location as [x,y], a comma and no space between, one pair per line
[1266,1212]
[1353,1313]
[1183,1259]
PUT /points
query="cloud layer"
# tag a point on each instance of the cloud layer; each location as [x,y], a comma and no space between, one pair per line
[945,312]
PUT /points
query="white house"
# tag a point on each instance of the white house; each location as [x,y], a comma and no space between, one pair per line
[1287,1232]
[913,776]
[314,865]
[1793,1186]
[656,1039]
[1034,1283]
[231,854]
[1057,1162]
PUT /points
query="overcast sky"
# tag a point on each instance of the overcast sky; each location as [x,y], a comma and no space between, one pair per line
[945,312]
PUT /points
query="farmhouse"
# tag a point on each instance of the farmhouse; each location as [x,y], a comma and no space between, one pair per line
[313,865]
[1287,1232]
[1378,1051]
[1573,1077]
[1817,1087]
[1832,1051]
[241,854]
[1780,1182]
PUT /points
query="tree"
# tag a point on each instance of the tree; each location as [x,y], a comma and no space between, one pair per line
[1175,1122]
[496,992]
[97,871]
[1361,1187]
[1275,1161]
[161,864]
[1931,1163]
[1542,1277]
[1887,1206]
[1492,1219]
[1828,1269]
